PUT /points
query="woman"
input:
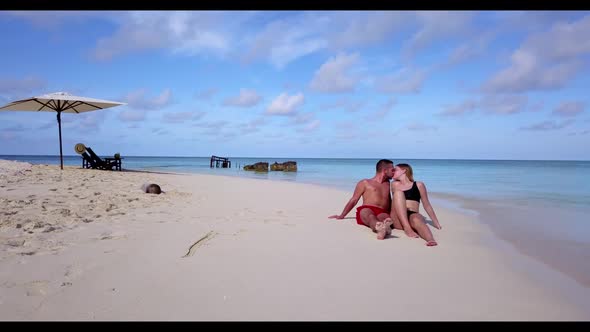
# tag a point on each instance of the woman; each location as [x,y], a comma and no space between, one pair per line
[407,194]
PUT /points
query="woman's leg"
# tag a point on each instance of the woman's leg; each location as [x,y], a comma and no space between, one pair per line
[418,223]
[399,200]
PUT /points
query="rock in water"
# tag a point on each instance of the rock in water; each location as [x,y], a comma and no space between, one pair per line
[258,167]
[288,166]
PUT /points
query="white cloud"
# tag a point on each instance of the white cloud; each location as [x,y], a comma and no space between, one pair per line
[569,109]
[492,104]
[303,118]
[465,107]
[48,125]
[383,111]
[212,125]
[441,25]
[504,104]
[131,115]
[206,94]
[89,121]
[17,127]
[11,89]
[403,81]
[246,98]
[138,100]
[198,116]
[474,47]
[527,73]
[537,66]
[333,75]
[548,125]
[312,126]
[177,117]
[345,125]
[532,20]
[182,32]
[252,126]
[55,18]
[284,40]
[285,104]
[354,29]
[345,104]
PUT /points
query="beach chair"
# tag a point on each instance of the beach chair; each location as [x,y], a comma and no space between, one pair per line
[91,160]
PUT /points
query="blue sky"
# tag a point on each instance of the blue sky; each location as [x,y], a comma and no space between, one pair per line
[473,85]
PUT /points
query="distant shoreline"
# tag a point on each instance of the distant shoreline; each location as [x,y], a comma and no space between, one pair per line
[295,158]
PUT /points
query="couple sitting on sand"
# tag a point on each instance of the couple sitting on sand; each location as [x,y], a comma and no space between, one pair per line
[382,212]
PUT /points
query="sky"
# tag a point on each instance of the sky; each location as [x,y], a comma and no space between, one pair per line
[318,84]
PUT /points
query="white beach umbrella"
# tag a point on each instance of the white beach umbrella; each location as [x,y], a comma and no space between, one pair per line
[59,102]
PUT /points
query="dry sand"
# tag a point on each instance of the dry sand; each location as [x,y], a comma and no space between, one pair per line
[84,244]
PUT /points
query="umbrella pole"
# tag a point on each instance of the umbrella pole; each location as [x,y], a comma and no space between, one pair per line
[61,156]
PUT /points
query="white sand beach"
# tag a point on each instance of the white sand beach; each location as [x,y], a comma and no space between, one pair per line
[83,244]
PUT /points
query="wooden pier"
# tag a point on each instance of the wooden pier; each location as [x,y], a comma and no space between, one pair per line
[224,162]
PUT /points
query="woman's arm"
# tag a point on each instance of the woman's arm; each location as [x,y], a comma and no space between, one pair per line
[427,205]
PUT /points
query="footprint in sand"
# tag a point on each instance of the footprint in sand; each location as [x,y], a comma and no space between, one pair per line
[73,272]
[65,212]
[239,232]
[36,288]
[112,236]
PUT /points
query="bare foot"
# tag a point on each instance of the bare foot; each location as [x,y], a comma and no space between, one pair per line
[431,243]
[411,234]
[381,230]
[388,223]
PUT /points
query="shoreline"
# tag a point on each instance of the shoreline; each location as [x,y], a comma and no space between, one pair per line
[268,252]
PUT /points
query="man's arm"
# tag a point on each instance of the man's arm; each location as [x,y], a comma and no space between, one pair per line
[427,206]
[358,192]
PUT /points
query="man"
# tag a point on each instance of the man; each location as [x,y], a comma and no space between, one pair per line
[374,213]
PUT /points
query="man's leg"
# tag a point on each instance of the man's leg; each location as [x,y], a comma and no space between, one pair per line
[369,219]
[419,224]
[387,221]
[399,200]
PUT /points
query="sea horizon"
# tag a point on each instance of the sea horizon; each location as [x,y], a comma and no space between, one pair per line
[268,157]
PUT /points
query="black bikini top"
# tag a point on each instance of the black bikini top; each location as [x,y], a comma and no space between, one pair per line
[413,194]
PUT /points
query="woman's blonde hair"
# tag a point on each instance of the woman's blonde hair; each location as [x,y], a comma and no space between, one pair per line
[408,169]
